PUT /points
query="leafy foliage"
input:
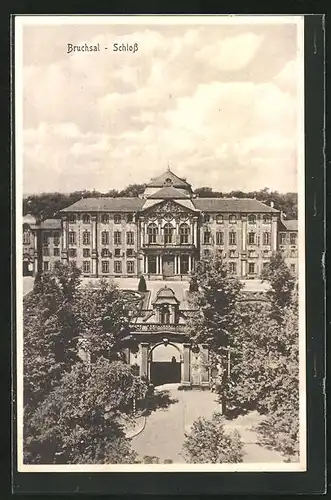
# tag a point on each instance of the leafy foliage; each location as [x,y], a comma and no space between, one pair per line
[282,284]
[209,443]
[142,287]
[77,420]
[215,318]
[70,407]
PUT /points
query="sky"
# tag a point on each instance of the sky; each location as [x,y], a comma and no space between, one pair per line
[218,104]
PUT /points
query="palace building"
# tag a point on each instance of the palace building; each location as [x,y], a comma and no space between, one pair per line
[160,234]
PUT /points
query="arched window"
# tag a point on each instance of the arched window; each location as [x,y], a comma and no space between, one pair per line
[232,219]
[184,232]
[252,219]
[86,218]
[72,218]
[266,219]
[164,315]
[168,230]
[152,233]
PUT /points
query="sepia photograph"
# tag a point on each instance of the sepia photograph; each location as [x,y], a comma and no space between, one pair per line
[160,243]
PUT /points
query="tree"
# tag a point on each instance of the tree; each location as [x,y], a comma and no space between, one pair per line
[78,421]
[214,320]
[142,287]
[208,442]
[282,283]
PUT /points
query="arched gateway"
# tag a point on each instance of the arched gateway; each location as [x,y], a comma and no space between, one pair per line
[159,347]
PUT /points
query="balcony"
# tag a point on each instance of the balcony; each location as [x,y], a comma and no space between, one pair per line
[157,327]
[162,241]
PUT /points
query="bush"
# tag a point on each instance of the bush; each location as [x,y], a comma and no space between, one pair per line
[142,287]
[209,443]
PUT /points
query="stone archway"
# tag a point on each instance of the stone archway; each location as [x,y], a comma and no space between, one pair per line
[165,362]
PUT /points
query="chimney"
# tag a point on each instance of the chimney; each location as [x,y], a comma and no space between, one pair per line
[272,204]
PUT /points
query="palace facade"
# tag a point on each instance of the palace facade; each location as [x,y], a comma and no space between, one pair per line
[160,234]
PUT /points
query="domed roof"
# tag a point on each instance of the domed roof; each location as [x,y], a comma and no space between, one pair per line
[168,178]
[165,293]
[29,219]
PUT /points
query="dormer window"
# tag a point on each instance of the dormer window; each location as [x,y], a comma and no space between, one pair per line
[86,219]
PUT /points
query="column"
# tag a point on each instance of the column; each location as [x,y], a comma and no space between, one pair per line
[186,364]
[243,268]
[157,265]
[176,265]
[65,228]
[244,233]
[189,263]
[145,264]
[94,246]
[192,231]
[35,253]
[204,369]
[161,264]
[179,265]
[141,233]
[144,359]
[274,234]
[196,232]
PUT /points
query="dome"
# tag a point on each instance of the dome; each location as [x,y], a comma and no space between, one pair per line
[165,293]
[29,219]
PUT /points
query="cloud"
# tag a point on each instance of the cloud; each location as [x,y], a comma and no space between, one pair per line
[106,119]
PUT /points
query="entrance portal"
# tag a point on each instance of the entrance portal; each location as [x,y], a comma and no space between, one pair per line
[165,365]
[168,265]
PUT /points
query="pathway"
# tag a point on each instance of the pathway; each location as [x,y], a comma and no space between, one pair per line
[165,429]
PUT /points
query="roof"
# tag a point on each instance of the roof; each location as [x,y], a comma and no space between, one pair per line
[29,219]
[290,225]
[167,193]
[165,296]
[231,205]
[104,204]
[176,181]
[51,224]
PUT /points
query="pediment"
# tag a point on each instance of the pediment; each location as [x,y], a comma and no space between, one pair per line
[169,208]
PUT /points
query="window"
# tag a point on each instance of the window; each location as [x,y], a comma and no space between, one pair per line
[219,219]
[86,252]
[86,266]
[206,253]
[130,267]
[233,267]
[293,253]
[105,266]
[251,238]
[152,233]
[45,239]
[130,238]
[72,218]
[105,238]
[86,238]
[129,218]
[117,252]
[293,238]
[56,252]
[72,252]
[129,252]
[74,263]
[232,238]
[232,253]
[117,266]
[46,251]
[266,238]
[232,219]
[104,218]
[168,230]
[56,239]
[266,219]
[117,238]
[184,232]
[219,238]
[46,266]
[105,252]
[265,265]
[293,268]
[117,218]
[251,253]
[282,238]
[251,268]
[251,219]
[26,238]
[72,237]
[206,237]
[206,218]
[86,219]
[164,314]
[151,264]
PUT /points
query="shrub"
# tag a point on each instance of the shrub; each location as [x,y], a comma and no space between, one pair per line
[142,287]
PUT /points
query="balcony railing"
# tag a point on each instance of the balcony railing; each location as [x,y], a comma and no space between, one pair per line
[161,240]
[156,327]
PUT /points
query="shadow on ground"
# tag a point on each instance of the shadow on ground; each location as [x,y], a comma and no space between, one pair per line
[160,400]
